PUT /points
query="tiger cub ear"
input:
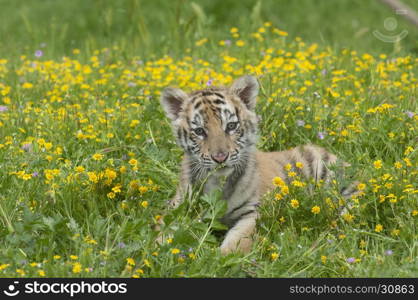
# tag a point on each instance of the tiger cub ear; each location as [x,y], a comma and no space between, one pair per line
[246,88]
[172,100]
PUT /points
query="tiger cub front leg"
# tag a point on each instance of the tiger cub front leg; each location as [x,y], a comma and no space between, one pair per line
[240,237]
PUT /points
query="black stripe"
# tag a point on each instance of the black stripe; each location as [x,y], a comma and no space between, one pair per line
[238,207]
[179,134]
[235,220]
[324,170]
[207,93]
[219,101]
[197,105]
[309,159]
[219,95]
[185,136]
[232,181]
[348,190]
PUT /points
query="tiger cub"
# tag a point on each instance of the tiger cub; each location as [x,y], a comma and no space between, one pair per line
[217,128]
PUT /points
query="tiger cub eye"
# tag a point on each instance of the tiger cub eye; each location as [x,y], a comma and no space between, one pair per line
[199,131]
[231,126]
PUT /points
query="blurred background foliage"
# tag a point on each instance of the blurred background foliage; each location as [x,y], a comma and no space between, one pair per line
[152,28]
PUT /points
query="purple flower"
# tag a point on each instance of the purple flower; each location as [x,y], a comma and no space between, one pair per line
[300,122]
[38,53]
[350,260]
[410,114]
[35,174]
[3,108]
[209,83]
[131,84]
[389,252]
[121,245]
[227,43]
[27,147]
[321,135]
[324,72]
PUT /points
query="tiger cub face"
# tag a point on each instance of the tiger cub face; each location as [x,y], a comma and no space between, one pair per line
[216,125]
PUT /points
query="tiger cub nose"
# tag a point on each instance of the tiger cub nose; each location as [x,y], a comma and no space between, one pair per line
[220,157]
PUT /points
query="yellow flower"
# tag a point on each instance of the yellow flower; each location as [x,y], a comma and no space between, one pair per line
[408,150]
[41,273]
[323,259]
[395,232]
[299,165]
[284,190]
[77,267]
[4,266]
[240,43]
[175,251]
[130,261]
[291,174]
[147,263]
[79,169]
[298,183]
[377,164]
[274,256]
[134,123]
[280,32]
[73,257]
[93,177]
[143,189]
[407,162]
[316,209]
[144,204]
[116,188]
[27,85]
[378,228]
[277,181]
[20,272]
[361,186]
[133,162]
[348,217]
[398,165]
[342,236]
[97,156]
[56,257]
[294,203]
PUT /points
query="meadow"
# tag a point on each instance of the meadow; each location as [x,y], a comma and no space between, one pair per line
[88,160]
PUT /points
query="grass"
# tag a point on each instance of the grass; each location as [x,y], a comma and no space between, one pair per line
[88,160]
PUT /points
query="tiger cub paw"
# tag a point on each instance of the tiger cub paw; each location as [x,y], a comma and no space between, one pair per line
[242,245]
